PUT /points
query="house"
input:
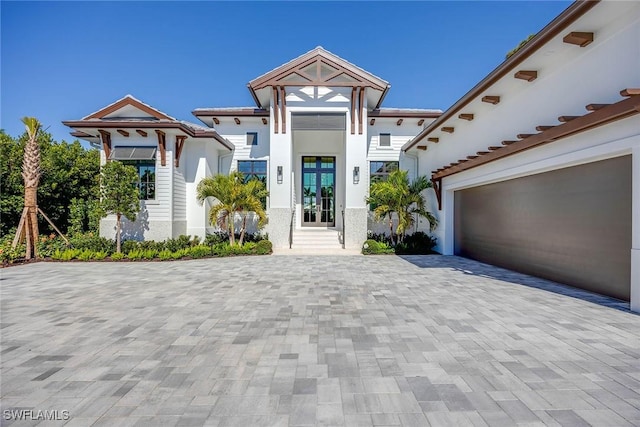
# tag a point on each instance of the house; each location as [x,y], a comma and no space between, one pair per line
[536,168]
[315,136]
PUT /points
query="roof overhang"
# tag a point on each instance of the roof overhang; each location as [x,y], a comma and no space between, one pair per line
[317,67]
[551,30]
[160,125]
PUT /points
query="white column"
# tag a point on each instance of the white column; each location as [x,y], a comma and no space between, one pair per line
[635,230]
[448,221]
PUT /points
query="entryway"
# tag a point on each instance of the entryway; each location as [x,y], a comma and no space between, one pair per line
[318,191]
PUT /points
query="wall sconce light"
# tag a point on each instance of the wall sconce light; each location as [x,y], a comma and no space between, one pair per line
[356,174]
[279,175]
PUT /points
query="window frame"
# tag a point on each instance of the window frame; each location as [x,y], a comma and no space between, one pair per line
[253,175]
[380,135]
[255,139]
[138,164]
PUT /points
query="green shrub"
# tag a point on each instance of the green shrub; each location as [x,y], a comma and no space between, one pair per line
[47,245]
[215,238]
[8,255]
[92,242]
[99,255]
[130,246]
[221,249]
[180,253]
[418,243]
[117,256]
[135,255]
[69,254]
[149,253]
[371,247]
[264,247]
[249,248]
[200,251]
[86,255]
[165,255]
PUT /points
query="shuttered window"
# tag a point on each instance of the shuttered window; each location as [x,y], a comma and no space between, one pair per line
[316,121]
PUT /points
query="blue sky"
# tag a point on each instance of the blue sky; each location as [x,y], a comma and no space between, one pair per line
[64,60]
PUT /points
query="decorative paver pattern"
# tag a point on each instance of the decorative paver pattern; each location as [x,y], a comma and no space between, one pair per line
[303,340]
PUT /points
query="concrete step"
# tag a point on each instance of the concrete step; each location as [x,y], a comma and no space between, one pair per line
[316,239]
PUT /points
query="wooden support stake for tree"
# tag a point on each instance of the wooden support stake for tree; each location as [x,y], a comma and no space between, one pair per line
[54,226]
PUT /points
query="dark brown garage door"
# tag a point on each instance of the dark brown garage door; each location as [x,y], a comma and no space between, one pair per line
[571,225]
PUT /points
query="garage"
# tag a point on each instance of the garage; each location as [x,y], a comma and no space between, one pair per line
[571,225]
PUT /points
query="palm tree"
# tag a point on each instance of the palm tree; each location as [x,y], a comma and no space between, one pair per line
[397,195]
[227,189]
[31,172]
[253,193]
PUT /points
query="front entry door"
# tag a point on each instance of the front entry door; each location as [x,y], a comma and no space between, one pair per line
[318,191]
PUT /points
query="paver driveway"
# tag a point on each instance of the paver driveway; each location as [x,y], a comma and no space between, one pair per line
[312,341]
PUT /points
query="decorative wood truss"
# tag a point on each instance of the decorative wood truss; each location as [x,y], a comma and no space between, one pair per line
[604,114]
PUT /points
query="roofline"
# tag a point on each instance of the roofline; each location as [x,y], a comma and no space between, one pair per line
[552,29]
[404,114]
[209,133]
[211,112]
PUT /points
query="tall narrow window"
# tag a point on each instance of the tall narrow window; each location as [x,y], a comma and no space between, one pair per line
[384,140]
[252,138]
[146,182]
[254,169]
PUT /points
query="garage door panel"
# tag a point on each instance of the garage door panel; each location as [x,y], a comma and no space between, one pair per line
[571,225]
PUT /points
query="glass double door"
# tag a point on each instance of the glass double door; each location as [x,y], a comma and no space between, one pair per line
[318,191]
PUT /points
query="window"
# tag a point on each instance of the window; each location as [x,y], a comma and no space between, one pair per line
[384,140]
[146,183]
[254,169]
[379,171]
[252,138]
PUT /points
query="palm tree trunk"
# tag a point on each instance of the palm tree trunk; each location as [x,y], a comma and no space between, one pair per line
[232,234]
[391,229]
[118,226]
[244,228]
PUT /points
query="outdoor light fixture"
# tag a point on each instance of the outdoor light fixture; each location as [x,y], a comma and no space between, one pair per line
[279,174]
[356,174]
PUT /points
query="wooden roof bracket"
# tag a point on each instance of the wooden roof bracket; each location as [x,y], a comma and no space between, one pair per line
[179,146]
[276,107]
[106,142]
[361,110]
[283,106]
[437,187]
[162,145]
[353,111]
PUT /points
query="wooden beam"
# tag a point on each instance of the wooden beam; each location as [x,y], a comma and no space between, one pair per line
[361,111]
[542,128]
[141,132]
[453,164]
[437,187]
[436,140]
[216,121]
[524,135]
[276,108]
[630,92]
[508,142]
[578,38]
[420,122]
[123,132]
[106,142]
[179,146]
[283,109]
[372,122]
[162,145]
[466,116]
[472,157]
[399,122]
[611,113]
[353,111]
[237,120]
[495,147]
[482,153]
[422,147]
[491,99]
[448,129]
[595,107]
[528,75]
[565,119]
[264,121]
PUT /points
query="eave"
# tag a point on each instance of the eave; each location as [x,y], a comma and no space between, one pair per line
[551,30]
